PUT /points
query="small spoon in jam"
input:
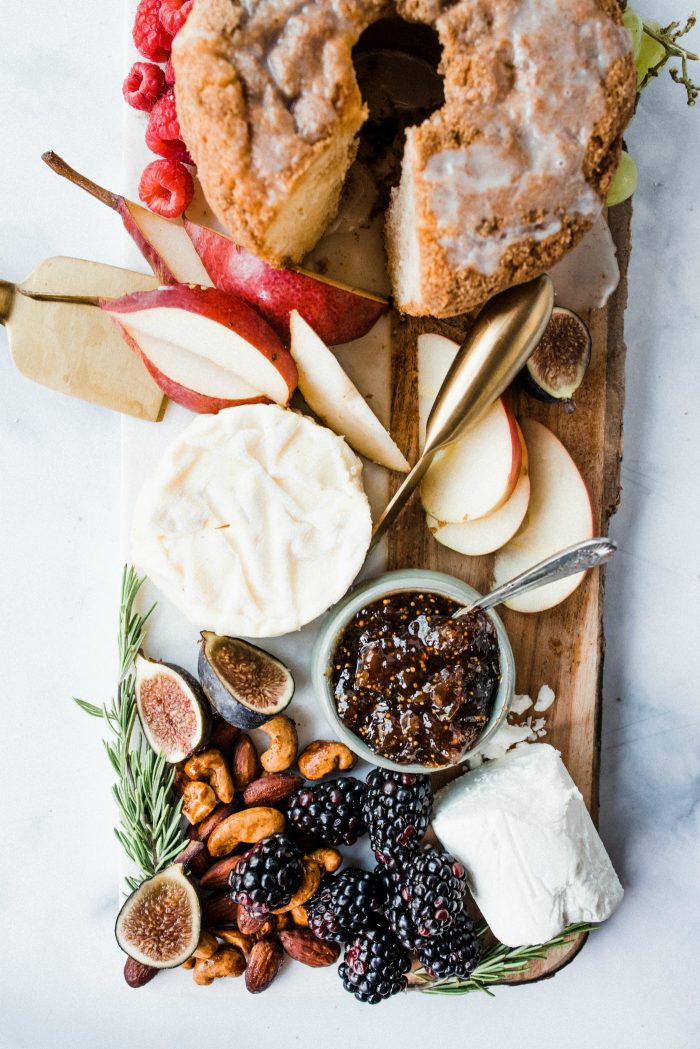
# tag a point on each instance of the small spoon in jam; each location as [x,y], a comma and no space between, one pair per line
[578,558]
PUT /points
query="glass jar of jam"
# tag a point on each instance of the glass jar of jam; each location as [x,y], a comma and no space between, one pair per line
[416,686]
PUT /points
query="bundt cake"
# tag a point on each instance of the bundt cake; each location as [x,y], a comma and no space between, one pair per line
[495,186]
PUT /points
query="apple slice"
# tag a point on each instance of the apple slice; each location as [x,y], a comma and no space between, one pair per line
[493,531]
[207,323]
[200,385]
[435,356]
[162,242]
[336,312]
[329,393]
[558,516]
[478,473]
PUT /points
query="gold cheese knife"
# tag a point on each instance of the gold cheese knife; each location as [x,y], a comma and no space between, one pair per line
[73,348]
[506,332]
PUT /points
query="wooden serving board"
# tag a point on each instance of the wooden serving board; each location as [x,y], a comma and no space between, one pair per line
[564,646]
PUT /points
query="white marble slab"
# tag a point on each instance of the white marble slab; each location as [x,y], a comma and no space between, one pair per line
[634,985]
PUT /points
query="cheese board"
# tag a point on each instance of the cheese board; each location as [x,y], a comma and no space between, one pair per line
[253,520]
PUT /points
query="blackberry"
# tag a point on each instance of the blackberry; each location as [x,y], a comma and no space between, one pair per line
[374,965]
[454,952]
[345,903]
[435,884]
[269,875]
[397,913]
[398,807]
[329,812]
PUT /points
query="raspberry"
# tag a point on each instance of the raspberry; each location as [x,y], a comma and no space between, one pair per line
[173,14]
[169,73]
[150,35]
[166,187]
[163,131]
[144,85]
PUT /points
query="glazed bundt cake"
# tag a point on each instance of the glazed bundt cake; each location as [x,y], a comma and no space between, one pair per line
[495,186]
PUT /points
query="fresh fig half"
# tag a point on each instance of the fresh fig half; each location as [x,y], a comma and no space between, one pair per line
[559,363]
[159,924]
[172,708]
[244,684]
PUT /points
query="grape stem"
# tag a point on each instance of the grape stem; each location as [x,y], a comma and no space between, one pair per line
[668,37]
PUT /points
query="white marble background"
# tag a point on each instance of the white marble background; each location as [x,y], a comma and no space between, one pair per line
[635,984]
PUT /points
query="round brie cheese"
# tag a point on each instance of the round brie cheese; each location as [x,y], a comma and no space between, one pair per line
[254,522]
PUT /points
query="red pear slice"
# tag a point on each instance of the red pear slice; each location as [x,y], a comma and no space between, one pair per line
[190,380]
[336,312]
[210,324]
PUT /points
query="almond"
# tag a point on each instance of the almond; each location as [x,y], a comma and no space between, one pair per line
[222,734]
[264,963]
[303,946]
[219,909]
[248,924]
[137,974]
[245,763]
[202,831]
[218,874]
[271,789]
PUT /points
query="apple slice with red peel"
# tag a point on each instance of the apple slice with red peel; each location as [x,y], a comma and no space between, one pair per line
[207,323]
[336,312]
[489,533]
[478,473]
[329,393]
[200,385]
[162,242]
[558,516]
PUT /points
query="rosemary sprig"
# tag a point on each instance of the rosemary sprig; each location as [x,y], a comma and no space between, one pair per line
[497,963]
[149,812]
[668,37]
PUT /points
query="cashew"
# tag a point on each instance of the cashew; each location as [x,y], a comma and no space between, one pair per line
[309,884]
[235,939]
[324,756]
[198,800]
[283,745]
[207,946]
[210,766]
[328,859]
[249,825]
[227,961]
[299,916]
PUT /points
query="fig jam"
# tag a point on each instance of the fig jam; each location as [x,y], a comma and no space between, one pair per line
[413,684]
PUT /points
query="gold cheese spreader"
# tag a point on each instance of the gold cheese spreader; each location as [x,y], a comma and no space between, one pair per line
[505,333]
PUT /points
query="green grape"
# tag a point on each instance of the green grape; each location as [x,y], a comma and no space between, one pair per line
[633,24]
[624,181]
[650,52]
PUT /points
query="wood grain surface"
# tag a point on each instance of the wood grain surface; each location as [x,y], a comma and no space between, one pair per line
[564,646]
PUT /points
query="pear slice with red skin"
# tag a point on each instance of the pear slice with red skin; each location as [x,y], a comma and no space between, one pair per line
[200,373]
[217,327]
[163,242]
[336,312]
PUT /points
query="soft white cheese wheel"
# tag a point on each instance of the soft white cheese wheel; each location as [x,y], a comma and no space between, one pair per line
[254,522]
[534,859]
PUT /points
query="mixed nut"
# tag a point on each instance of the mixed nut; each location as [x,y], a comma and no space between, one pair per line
[233,798]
